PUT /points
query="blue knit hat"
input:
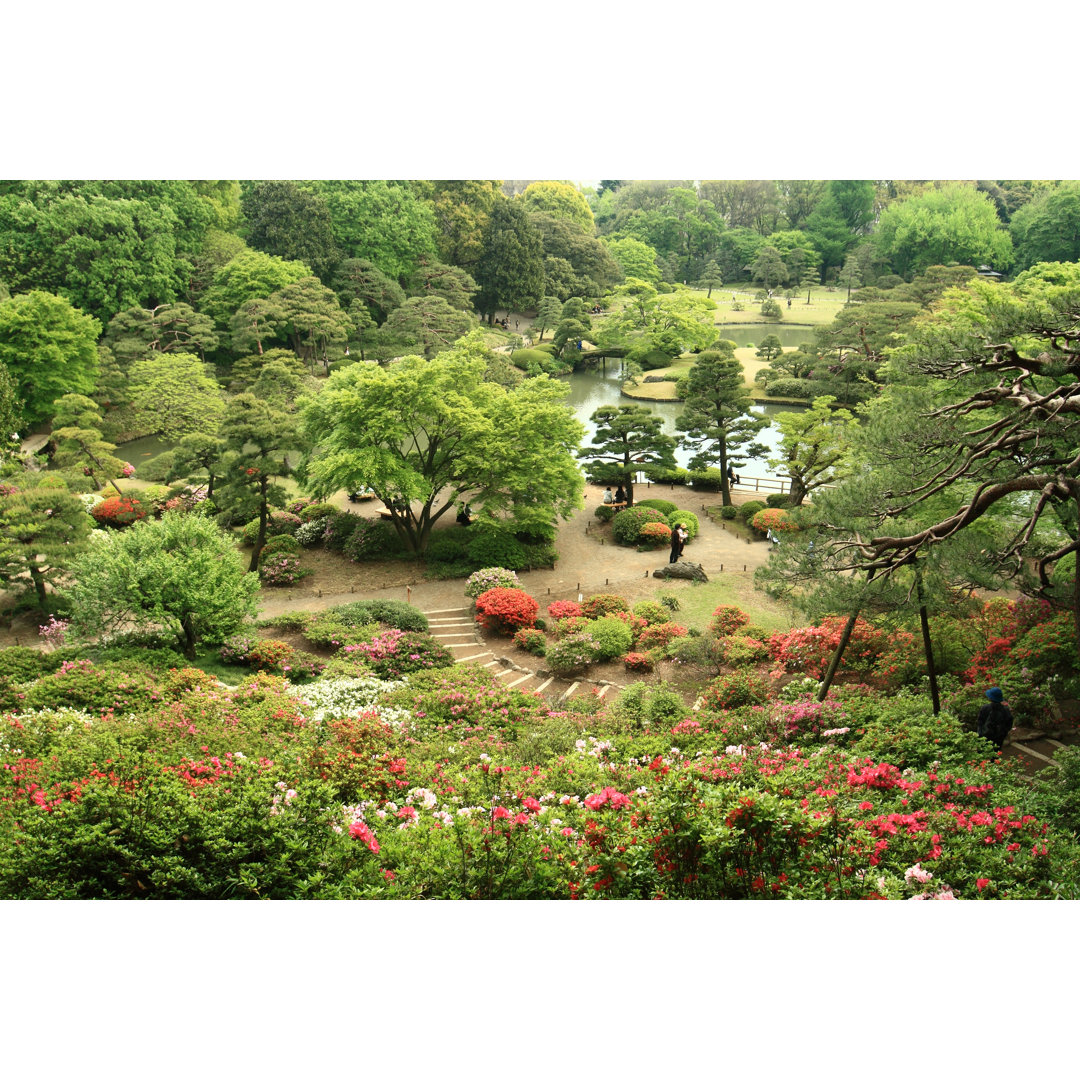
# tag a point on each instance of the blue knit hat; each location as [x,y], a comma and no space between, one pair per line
[995,694]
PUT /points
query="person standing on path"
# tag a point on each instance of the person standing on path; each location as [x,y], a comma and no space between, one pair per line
[678,542]
[995,720]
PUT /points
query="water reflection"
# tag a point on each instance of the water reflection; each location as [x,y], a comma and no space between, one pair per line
[592,388]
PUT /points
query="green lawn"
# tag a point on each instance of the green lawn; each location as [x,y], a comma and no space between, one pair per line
[665,391]
[698,601]
[823,307]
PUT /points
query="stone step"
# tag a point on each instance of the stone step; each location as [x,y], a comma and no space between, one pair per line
[569,693]
[544,685]
[447,611]
[463,634]
[524,678]
[477,656]
[1035,754]
[462,644]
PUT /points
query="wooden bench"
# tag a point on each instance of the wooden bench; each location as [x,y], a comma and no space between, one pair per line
[383,512]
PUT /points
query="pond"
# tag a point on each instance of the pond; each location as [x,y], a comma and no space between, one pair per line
[752,334]
[589,389]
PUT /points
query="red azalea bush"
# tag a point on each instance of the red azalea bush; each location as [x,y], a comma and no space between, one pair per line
[774,519]
[732,691]
[532,641]
[660,634]
[654,534]
[507,610]
[637,623]
[638,661]
[726,619]
[118,511]
[564,609]
[572,624]
[809,648]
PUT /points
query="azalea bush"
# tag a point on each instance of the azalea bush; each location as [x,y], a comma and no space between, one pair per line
[491,577]
[612,636]
[654,534]
[810,648]
[532,641]
[282,568]
[571,654]
[117,511]
[727,619]
[563,609]
[600,604]
[507,610]
[638,662]
[627,525]
[394,653]
[278,522]
[660,634]
[773,519]
[731,691]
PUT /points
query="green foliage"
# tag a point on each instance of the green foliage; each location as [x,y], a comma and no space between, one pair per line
[641,705]
[601,604]
[612,636]
[370,539]
[494,545]
[392,613]
[49,348]
[711,479]
[748,509]
[626,528]
[688,519]
[662,505]
[180,573]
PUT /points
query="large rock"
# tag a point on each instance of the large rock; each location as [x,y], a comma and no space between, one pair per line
[686,571]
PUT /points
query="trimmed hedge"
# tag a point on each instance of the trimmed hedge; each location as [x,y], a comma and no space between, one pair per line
[663,505]
[626,528]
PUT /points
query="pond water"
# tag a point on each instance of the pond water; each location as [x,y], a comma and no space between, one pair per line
[589,389]
[752,334]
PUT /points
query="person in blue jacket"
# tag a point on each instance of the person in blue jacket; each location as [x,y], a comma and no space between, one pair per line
[995,720]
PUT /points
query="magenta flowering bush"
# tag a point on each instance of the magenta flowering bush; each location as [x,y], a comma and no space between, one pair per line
[282,568]
[394,653]
[491,577]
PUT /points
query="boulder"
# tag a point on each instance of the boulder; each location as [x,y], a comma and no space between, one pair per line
[685,571]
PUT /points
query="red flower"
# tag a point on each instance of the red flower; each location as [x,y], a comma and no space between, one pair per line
[981,883]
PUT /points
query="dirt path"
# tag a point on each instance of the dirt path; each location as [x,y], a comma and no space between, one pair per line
[588,562]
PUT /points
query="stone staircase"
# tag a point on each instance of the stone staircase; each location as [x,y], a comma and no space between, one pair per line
[455,629]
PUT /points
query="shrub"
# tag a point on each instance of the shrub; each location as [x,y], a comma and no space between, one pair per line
[448,547]
[810,648]
[118,511]
[394,613]
[506,609]
[706,479]
[688,520]
[651,611]
[777,499]
[662,505]
[491,577]
[748,509]
[316,512]
[742,650]
[635,622]
[311,533]
[799,389]
[600,604]
[773,520]
[660,634]
[392,653]
[571,624]
[726,619]
[612,636]
[654,534]
[268,654]
[282,568]
[732,691]
[729,513]
[670,602]
[627,526]
[339,527]
[638,661]
[659,475]
[564,609]
[371,539]
[492,545]
[604,513]
[571,654]
[532,641]
[278,523]
[641,705]
[278,544]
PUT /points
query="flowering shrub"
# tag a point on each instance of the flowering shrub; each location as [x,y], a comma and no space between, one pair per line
[1048,649]
[601,604]
[727,619]
[654,534]
[635,622]
[315,512]
[235,649]
[773,519]
[118,511]
[810,648]
[311,532]
[506,609]
[369,540]
[627,526]
[52,633]
[731,691]
[803,721]
[571,654]
[491,577]
[278,544]
[660,635]
[89,499]
[532,641]
[572,624]
[638,661]
[564,609]
[282,568]
[743,649]
[128,469]
[393,653]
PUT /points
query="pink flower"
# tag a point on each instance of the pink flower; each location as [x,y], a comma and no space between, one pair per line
[361,832]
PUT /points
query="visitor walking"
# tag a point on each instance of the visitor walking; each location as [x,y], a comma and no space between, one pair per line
[995,721]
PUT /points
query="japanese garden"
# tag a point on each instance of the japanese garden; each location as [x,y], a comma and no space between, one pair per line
[537,540]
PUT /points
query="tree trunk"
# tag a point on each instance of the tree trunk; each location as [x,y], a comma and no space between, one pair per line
[798,492]
[187,638]
[837,656]
[39,585]
[260,540]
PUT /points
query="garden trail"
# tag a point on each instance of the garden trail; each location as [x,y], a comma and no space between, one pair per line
[588,562]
